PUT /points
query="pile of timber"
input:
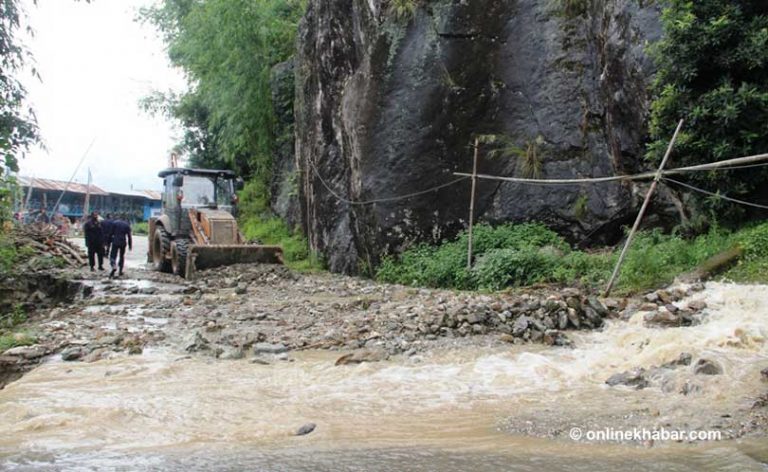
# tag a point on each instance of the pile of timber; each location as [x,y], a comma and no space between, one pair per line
[46,240]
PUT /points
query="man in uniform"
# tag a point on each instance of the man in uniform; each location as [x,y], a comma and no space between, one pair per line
[94,241]
[120,236]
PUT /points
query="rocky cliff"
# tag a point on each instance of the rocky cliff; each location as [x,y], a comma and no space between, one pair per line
[389,105]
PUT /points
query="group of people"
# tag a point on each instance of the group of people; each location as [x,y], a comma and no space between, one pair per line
[107,236]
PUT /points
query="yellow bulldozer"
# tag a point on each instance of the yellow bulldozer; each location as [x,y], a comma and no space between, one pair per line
[197,228]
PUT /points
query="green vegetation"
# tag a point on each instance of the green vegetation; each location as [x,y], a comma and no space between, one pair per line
[9,255]
[8,322]
[529,155]
[140,228]
[227,48]
[713,72]
[528,254]
[403,9]
[275,231]
[10,340]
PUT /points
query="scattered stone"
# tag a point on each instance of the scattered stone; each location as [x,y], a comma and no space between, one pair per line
[366,355]
[135,350]
[696,305]
[664,318]
[632,378]
[671,308]
[306,429]
[652,297]
[231,353]
[707,367]
[260,361]
[97,355]
[520,326]
[764,374]
[148,290]
[268,348]
[241,289]
[507,338]
[196,343]
[26,352]
[682,360]
[72,353]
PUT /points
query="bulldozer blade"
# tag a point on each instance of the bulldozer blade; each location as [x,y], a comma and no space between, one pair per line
[202,257]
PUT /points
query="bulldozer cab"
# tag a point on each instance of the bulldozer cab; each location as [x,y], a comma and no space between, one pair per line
[186,189]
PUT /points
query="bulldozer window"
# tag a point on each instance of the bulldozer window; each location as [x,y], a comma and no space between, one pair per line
[198,191]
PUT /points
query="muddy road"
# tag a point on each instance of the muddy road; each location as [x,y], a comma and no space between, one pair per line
[152,372]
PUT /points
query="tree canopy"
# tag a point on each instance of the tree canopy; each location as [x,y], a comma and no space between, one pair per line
[713,72]
[18,127]
[227,49]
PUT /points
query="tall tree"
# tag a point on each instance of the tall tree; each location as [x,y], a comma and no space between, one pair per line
[18,127]
[227,49]
[713,72]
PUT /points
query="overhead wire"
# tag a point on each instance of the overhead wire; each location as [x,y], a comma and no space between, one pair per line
[379,200]
[714,194]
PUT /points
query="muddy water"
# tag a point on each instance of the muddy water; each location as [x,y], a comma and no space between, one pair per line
[458,410]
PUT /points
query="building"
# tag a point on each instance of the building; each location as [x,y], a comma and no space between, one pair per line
[137,205]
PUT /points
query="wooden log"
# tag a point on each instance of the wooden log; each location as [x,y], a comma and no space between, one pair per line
[713,266]
[70,251]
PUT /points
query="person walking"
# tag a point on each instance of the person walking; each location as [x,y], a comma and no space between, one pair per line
[120,235]
[94,241]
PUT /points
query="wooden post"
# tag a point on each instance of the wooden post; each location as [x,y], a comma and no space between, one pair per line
[472,204]
[642,211]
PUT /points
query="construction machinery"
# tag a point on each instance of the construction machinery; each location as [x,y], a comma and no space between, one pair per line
[197,228]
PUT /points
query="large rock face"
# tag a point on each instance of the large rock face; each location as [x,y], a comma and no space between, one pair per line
[389,106]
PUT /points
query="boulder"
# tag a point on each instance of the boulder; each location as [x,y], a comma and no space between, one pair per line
[72,353]
[632,378]
[269,348]
[366,355]
[707,367]
[26,352]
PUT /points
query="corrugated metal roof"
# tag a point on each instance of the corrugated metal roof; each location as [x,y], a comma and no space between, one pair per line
[74,187]
[59,185]
[152,194]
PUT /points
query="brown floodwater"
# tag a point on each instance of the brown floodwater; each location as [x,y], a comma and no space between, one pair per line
[501,409]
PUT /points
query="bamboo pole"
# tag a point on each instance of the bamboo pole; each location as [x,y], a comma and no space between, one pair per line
[640,215]
[472,204]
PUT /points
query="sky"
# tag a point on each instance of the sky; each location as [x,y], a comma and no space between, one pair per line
[95,64]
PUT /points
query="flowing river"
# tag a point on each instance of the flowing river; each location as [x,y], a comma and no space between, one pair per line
[457,410]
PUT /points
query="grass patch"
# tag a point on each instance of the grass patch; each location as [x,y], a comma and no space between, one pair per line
[10,320]
[140,228]
[9,254]
[275,231]
[528,254]
[11,340]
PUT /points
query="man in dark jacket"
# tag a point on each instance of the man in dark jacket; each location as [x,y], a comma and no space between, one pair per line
[94,241]
[119,236]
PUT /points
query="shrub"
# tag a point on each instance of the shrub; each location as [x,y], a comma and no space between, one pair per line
[754,241]
[501,268]
[140,228]
[275,231]
[519,255]
[446,265]
[8,254]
